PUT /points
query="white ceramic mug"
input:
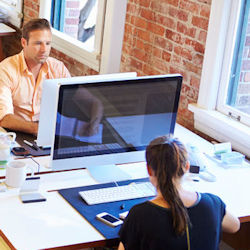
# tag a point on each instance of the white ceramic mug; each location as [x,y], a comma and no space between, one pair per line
[6,142]
[16,173]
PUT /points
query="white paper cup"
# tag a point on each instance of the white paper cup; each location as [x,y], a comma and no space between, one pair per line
[15,173]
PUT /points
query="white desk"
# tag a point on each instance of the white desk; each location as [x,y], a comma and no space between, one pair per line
[55,223]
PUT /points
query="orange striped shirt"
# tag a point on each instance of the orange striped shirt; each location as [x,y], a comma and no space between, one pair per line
[19,93]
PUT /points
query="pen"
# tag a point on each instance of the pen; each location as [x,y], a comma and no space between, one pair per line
[30,144]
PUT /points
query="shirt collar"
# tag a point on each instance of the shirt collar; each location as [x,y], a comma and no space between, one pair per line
[24,67]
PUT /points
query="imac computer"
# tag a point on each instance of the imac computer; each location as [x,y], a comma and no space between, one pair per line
[103,123]
[49,102]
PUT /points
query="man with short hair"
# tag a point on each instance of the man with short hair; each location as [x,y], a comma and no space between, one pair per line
[21,78]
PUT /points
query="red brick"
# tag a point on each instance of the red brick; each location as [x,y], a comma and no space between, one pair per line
[140,54]
[173,12]
[127,38]
[139,44]
[163,43]
[126,48]
[177,13]
[245,52]
[176,60]
[177,50]
[128,29]
[174,36]
[32,13]
[144,3]
[132,9]
[72,4]
[173,70]
[195,45]
[148,14]
[168,22]
[186,53]
[136,64]
[247,79]
[157,52]
[183,52]
[200,22]
[244,88]
[172,2]
[182,15]
[189,6]
[182,28]
[148,47]
[198,60]
[71,21]
[148,70]
[156,29]
[139,22]
[191,67]
[144,35]
[160,65]
[202,36]
[245,65]
[74,12]
[205,11]
[159,6]
[32,5]
[190,92]
[166,56]
[247,43]
[195,82]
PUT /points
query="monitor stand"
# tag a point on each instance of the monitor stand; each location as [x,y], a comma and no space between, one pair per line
[108,173]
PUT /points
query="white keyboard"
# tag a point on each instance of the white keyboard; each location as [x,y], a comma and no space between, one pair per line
[118,193]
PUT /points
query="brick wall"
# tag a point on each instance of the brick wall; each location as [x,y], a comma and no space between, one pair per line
[72,11]
[243,93]
[161,37]
[164,37]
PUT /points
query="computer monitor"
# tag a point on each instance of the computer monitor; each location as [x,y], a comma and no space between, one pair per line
[49,102]
[112,122]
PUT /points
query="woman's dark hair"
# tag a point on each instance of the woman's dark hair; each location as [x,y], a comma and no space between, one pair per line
[35,24]
[167,157]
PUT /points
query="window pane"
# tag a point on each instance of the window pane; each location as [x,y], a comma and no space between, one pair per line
[75,18]
[239,88]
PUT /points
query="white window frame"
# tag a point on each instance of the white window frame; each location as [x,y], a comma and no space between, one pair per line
[106,56]
[14,10]
[215,72]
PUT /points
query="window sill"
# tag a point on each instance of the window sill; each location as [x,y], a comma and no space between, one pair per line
[222,128]
[75,49]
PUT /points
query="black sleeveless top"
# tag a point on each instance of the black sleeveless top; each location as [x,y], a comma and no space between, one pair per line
[149,226]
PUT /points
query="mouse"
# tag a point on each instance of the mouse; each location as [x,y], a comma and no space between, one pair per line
[207,176]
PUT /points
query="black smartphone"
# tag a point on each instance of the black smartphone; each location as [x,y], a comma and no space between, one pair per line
[20,151]
[194,169]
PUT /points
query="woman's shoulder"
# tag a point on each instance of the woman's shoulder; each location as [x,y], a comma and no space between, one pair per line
[210,197]
[211,200]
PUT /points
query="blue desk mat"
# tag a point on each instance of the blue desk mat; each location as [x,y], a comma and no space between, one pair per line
[90,211]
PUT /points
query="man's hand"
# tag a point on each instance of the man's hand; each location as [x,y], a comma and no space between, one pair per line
[89,129]
[16,123]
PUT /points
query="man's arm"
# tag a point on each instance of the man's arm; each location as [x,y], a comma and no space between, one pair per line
[89,103]
[16,123]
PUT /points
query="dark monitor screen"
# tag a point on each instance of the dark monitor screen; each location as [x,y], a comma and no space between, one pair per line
[123,116]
